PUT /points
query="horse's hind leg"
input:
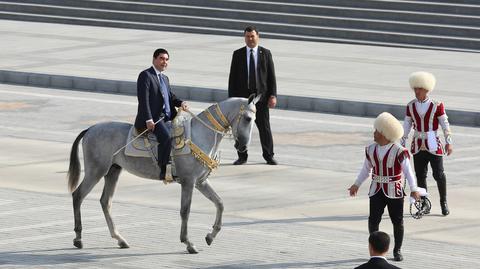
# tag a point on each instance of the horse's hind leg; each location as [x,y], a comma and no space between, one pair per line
[111,180]
[208,192]
[88,182]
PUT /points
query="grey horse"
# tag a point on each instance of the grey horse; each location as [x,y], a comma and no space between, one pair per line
[101,141]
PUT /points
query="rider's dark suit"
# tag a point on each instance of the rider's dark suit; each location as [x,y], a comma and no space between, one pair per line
[151,107]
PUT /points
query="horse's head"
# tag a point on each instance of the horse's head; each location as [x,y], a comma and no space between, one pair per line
[242,125]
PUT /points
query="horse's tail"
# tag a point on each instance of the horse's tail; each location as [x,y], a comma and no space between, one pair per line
[74,168]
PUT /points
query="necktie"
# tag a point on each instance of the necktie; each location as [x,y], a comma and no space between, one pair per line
[166,97]
[252,80]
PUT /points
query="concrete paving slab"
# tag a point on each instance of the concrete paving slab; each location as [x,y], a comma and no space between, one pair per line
[295,215]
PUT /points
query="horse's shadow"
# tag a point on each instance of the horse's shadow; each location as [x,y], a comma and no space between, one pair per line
[298,220]
[69,255]
[326,264]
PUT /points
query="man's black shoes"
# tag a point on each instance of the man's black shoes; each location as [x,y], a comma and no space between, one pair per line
[271,161]
[240,161]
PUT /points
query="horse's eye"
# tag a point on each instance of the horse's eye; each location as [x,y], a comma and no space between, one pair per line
[248,119]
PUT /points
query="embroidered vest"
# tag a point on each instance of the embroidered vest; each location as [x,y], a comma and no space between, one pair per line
[387,171]
[425,128]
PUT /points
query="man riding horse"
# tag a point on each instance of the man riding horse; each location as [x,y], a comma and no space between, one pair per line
[156,105]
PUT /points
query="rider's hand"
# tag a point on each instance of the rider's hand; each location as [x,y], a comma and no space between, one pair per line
[184,105]
[150,125]
[353,190]
[272,101]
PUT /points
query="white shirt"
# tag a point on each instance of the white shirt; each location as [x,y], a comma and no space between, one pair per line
[160,83]
[255,57]
[381,151]
[380,257]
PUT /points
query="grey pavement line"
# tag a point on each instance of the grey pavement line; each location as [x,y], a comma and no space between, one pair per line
[287,102]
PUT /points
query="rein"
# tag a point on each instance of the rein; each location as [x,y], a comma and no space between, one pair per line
[218,128]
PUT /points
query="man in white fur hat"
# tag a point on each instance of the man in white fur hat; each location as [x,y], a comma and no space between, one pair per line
[426,115]
[388,160]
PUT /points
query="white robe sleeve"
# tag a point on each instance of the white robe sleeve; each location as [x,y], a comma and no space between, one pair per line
[364,173]
[407,126]
[407,171]
[443,121]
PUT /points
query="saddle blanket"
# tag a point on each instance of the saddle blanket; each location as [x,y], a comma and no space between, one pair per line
[146,145]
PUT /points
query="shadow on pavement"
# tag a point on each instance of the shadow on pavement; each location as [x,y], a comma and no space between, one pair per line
[326,264]
[297,220]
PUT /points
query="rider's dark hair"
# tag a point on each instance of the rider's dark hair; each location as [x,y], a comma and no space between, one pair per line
[160,51]
[379,241]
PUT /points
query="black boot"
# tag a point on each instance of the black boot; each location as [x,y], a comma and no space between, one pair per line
[397,255]
[398,231]
[444,207]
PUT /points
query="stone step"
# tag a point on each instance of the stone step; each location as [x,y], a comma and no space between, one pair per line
[316,33]
[135,14]
[407,23]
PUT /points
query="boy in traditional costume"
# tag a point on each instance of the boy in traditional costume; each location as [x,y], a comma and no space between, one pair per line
[426,115]
[388,160]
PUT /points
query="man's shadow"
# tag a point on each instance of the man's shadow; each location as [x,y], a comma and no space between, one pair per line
[68,255]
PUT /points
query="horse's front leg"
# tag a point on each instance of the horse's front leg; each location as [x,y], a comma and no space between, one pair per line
[187,191]
[207,190]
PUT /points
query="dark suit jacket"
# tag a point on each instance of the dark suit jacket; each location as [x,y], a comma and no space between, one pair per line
[238,79]
[150,99]
[377,263]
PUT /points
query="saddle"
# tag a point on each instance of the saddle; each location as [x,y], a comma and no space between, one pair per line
[181,133]
[146,145]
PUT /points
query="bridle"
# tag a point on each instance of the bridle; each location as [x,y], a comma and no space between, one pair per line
[222,126]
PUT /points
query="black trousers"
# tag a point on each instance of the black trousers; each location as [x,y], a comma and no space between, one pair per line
[162,133]
[395,211]
[263,124]
[420,161]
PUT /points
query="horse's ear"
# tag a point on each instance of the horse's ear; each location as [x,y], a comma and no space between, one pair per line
[254,99]
[251,97]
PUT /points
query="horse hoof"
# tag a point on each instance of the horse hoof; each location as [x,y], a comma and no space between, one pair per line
[192,249]
[123,244]
[209,239]
[77,243]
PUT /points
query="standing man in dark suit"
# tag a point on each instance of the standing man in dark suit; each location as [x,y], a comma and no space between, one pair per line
[156,100]
[378,243]
[252,72]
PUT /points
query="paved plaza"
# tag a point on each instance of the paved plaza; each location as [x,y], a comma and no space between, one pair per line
[294,215]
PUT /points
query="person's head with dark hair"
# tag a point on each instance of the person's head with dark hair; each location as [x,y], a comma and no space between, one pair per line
[378,243]
[159,51]
[160,59]
[250,28]
[251,36]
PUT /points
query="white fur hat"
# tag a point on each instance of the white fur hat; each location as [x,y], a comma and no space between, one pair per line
[388,126]
[422,80]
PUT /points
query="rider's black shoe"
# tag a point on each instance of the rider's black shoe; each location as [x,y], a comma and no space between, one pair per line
[163,172]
